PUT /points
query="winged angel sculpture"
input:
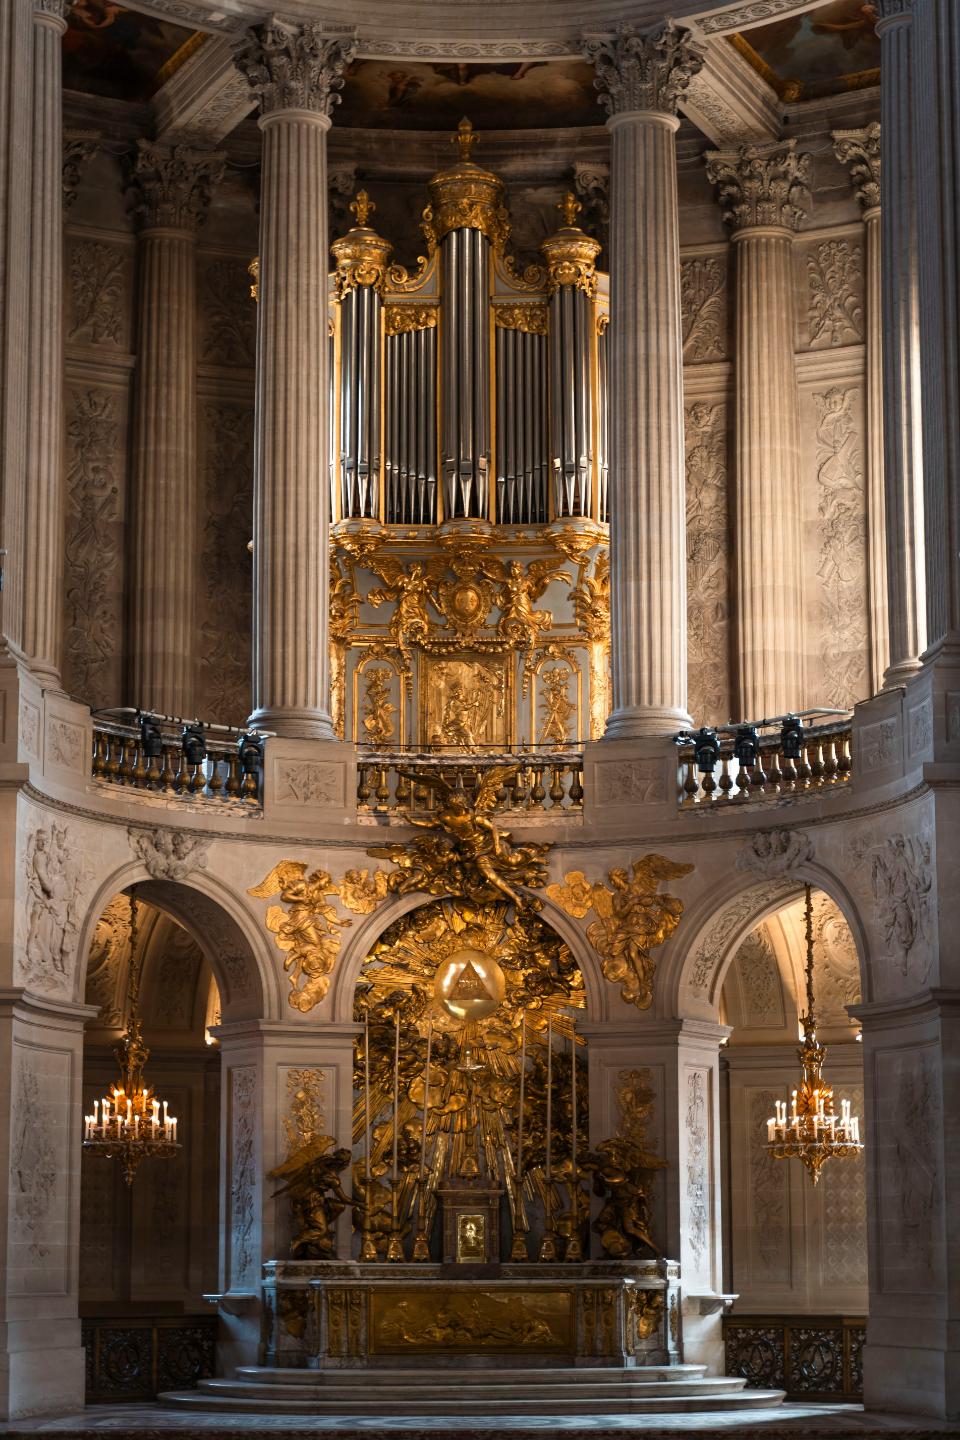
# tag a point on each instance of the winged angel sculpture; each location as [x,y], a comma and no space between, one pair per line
[632,919]
[466,853]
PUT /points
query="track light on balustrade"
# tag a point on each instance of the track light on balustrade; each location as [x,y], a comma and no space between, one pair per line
[792,737]
[812,1132]
[130,1124]
[746,746]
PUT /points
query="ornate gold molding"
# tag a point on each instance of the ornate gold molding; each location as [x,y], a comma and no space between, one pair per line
[361,254]
[466,197]
[399,319]
[528,316]
[571,255]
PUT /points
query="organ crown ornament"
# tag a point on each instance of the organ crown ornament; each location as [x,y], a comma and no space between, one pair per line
[571,255]
[643,70]
[294,67]
[761,185]
[466,197]
[361,255]
[172,184]
[813,1132]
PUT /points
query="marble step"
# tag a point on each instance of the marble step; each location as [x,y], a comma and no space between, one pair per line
[349,1394]
[491,1372]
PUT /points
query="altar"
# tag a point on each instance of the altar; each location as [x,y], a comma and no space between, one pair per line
[344,1314]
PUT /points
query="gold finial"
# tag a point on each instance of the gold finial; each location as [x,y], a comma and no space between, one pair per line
[569,208]
[465,139]
[362,207]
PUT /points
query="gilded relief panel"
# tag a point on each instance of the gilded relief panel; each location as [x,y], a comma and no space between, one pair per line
[466,700]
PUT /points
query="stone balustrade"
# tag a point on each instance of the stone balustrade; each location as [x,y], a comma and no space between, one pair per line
[178,758]
[825,760]
[549,782]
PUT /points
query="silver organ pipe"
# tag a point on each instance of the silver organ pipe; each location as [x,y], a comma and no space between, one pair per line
[571,260]
[465,424]
[411,407]
[603,423]
[521,482]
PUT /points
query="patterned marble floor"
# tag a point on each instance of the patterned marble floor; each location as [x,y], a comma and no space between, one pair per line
[787,1422]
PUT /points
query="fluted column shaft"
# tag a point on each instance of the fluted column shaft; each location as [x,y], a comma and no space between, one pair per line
[173,189]
[903,425]
[936,148]
[765,197]
[295,72]
[641,79]
[42,575]
[860,150]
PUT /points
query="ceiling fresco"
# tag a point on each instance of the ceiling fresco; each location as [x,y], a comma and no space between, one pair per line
[823,52]
[402,95]
[120,53]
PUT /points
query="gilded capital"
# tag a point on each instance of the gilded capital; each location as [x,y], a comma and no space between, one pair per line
[361,255]
[643,70]
[294,67]
[172,184]
[570,254]
[760,185]
[859,150]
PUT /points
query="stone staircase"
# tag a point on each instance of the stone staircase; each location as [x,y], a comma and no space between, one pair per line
[457,1391]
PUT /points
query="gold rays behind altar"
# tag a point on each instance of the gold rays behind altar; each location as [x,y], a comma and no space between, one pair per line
[486,998]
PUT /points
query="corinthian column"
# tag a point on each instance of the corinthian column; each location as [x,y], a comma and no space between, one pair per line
[296,74]
[641,78]
[860,151]
[42,573]
[172,187]
[763,191]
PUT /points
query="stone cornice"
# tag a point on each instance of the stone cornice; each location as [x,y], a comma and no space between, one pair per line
[294,67]
[761,185]
[646,70]
[859,150]
[172,184]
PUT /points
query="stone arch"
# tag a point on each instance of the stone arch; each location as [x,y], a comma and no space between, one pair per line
[359,939]
[718,921]
[235,950]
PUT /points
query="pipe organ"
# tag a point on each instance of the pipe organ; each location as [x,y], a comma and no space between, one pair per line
[468,478]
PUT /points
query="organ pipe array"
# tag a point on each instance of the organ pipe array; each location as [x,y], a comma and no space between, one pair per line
[464,390]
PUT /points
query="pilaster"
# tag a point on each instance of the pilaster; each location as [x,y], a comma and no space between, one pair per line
[296,74]
[764,193]
[641,78]
[172,186]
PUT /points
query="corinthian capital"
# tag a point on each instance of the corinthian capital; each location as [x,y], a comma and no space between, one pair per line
[293,67]
[760,185]
[172,184]
[646,70]
[860,151]
[79,148]
[893,9]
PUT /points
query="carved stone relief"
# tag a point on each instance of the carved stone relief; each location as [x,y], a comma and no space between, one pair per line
[168,854]
[36,1173]
[703,297]
[228,316]
[768,1223]
[761,989]
[899,873]
[65,744]
[708,608]
[52,883]
[910,1170]
[629,782]
[695,1124]
[836,973]
[244,1267]
[712,947]
[772,853]
[834,294]
[98,294]
[880,744]
[310,783]
[108,951]
[173,981]
[844,1191]
[841,541]
[225,567]
[93,544]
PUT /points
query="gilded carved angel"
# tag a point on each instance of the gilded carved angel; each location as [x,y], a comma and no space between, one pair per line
[467,853]
[412,590]
[520,587]
[307,930]
[312,1181]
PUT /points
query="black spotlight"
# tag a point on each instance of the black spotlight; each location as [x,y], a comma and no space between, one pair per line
[194,745]
[707,750]
[746,746]
[791,737]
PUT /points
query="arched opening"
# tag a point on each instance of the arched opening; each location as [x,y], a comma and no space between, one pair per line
[792,1250]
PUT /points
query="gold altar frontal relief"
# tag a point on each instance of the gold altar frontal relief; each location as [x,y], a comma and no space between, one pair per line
[471,1320]
[466,701]
[471,1237]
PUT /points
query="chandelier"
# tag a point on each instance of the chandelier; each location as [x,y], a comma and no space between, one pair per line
[127,1125]
[813,1132]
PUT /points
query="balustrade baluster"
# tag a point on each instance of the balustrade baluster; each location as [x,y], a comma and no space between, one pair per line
[138,771]
[556,787]
[98,763]
[214,780]
[383,787]
[537,792]
[403,792]
[233,776]
[364,788]
[576,784]
[845,759]
[804,771]
[774,774]
[691,783]
[815,748]
[125,767]
[726,779]
[830,764]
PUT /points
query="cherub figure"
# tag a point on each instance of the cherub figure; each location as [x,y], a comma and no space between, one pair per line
[412,591]
[519,622]
[467,853]
[308,932]
[312,1176]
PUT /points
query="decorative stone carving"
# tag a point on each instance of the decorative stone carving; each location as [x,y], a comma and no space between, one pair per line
[227,317]
[92,545]
[30,728]
[34,1165]
[841,533]
[835,304]
[919,728]
[762,185]
[225,571]
[768,1221]
[713,946]
[708,606]
[859,150]
[772,853]
[172,184]
[65,744]
[630,782]
[98,293]
[169,854]
[378,708]
[703,298]
[761,992]
[591,181]
[695,1123]
[107,951]
[53,881]
[901,880]
[244,1269]
[910,1170]
[836,974]
[753,12]
[646,70]
[880,745]
[310,783]
[294,67]
[79,148]
[845,1209]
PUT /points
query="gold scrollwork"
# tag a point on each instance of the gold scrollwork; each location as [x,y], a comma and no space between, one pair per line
[632,920]
[570,254]
[400,319]
[378,708]
[528,316]
[305,924]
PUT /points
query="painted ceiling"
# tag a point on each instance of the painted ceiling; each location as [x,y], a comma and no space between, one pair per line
[119,53]
[823,52]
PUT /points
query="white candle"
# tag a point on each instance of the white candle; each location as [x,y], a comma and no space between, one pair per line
[426,1103]
[366,1098]
[523,1077]
[549,1104]
[771,1124]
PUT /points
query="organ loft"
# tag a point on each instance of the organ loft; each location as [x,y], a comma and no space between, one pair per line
[479,715]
